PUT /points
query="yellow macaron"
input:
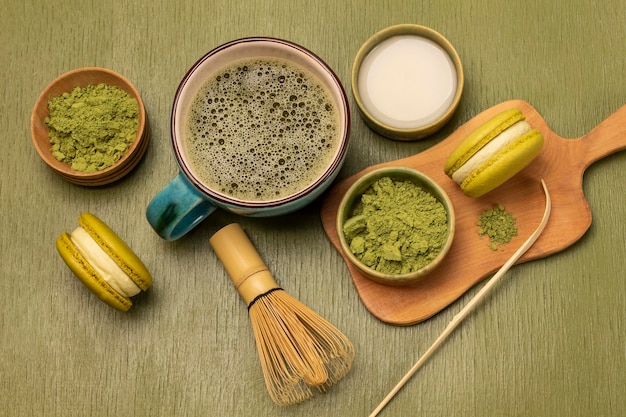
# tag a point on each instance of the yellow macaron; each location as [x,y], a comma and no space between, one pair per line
[103,262]
[493,153]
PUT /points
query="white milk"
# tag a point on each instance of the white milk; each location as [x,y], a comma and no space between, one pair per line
[407,81]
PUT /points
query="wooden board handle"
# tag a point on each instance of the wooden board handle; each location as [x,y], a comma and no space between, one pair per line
[606,138]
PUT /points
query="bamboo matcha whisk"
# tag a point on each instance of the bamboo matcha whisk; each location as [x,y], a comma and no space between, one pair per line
[300,352]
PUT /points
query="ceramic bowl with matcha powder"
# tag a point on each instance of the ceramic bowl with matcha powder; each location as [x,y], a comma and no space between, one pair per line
[90,126]
[395,224]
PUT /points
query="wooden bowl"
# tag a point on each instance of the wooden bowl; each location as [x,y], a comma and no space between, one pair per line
[83,77]
[353,196]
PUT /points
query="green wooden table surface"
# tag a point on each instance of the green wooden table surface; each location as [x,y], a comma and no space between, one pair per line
[550,341]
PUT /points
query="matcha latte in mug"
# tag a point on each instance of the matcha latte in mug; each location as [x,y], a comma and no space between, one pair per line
[259,127]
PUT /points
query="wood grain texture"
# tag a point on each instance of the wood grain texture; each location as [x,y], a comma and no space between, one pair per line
[561,164]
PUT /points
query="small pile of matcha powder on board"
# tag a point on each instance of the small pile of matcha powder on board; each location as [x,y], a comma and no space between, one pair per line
[397,227]
[91,128]
[498,225]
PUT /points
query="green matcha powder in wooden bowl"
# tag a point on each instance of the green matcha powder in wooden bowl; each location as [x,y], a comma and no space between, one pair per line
[90,126]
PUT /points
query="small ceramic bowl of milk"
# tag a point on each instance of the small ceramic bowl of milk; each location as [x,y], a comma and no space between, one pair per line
[407,81]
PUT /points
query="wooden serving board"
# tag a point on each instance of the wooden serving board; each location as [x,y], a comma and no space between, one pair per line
[561,164]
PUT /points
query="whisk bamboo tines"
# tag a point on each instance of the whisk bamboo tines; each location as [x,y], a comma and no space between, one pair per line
[300,352]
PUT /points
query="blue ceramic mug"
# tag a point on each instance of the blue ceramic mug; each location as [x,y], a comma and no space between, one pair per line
[259,127]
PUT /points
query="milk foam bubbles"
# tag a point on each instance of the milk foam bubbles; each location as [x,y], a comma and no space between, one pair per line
[261,130]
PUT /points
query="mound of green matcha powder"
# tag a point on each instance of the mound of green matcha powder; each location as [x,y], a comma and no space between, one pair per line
[397,227]
[91,128]
[498,225]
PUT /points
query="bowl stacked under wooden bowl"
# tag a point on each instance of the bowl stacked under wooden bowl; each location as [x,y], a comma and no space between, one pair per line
[65,83]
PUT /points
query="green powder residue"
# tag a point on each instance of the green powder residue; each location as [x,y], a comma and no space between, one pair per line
[91,128]
[498,225]
[397,227]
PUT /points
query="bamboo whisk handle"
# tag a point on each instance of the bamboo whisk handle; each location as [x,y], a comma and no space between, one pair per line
[243,263]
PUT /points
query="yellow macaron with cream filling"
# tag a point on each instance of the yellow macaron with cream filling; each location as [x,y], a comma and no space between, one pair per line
[103,262]
[493,153]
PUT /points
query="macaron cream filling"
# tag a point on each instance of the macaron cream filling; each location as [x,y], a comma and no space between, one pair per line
[487,151]
[103,264]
